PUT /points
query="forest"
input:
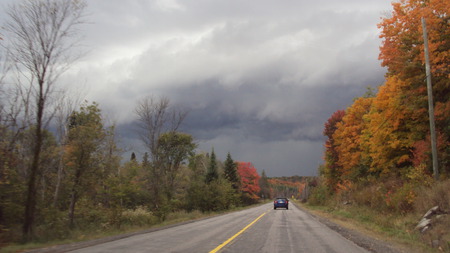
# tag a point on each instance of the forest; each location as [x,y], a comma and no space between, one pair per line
[82,184]
[62,172]
[378,151]
[386,134]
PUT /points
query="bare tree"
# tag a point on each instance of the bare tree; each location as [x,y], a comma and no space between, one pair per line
[155,117]
[65,107]
[40,35]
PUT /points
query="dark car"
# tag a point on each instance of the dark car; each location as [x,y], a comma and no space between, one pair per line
[281,202]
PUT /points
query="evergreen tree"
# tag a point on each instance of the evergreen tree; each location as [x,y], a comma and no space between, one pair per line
[212,174]
[230,172]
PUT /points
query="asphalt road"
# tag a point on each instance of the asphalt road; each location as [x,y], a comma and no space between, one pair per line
[259,229]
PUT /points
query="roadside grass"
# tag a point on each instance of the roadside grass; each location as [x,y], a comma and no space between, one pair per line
[397,230]
[135,217]
[391,209]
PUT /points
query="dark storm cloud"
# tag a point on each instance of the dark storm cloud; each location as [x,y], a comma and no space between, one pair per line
[265,112]
[260,78]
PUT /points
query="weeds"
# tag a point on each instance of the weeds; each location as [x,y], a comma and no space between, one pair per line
[392,208]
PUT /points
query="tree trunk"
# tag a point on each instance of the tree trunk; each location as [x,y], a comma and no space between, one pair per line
[30,205]
[59,179]
[74,198]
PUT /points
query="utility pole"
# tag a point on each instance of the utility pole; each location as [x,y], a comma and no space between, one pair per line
[430,102]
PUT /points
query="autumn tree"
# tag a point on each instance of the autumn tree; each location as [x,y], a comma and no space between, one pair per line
[331,171]
[249,182]
[392,130]
[402,52]
[40,35]
[384,140]
[351,146]
[82,155]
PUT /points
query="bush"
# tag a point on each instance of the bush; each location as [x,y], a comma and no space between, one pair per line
[319,195]
[403,198]
[138,217]
[375,196]
[91,217]
[394,195]
[54,227]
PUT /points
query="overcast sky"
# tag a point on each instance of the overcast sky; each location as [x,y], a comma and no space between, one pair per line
[260,78]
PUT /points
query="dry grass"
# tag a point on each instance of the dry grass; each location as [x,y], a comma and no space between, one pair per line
[436,195]
[393,208]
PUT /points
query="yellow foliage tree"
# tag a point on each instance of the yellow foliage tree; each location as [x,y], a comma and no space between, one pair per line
[389,129]
[352,156]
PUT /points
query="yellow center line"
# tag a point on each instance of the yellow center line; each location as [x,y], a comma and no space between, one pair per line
[236,235]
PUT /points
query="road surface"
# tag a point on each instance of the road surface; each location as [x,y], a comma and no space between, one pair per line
[259,229]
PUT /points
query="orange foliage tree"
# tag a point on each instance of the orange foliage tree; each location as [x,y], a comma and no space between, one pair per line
[402,52]
[351,147]
[392,129]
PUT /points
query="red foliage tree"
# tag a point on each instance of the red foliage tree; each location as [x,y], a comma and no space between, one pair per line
[249,181]
[331,168]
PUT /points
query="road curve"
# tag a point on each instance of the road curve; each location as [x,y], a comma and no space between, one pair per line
[275,231]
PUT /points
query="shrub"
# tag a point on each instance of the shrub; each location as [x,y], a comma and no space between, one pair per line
[138,217]
[89,216]
[55,225]
[403,198]
[373,195]
[319,195]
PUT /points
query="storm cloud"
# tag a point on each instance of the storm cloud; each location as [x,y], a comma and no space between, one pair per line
[259,78]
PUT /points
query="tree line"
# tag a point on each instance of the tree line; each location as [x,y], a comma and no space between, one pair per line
[383,138]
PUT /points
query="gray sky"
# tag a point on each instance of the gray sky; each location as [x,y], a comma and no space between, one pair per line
[260,78]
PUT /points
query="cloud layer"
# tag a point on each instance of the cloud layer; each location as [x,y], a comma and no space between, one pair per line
[259,78]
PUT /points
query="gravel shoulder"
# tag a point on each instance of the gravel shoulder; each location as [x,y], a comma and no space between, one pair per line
[358,236]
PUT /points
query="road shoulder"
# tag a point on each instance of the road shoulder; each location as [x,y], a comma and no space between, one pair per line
[359,238]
